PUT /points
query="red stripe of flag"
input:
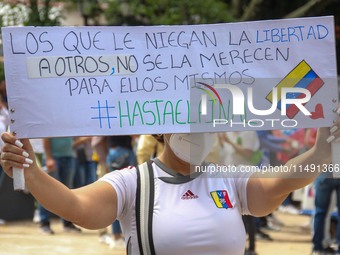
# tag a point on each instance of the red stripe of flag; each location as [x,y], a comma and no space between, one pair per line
[227,200]
[313,87]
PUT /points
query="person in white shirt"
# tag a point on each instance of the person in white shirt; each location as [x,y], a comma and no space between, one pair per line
[193,213]
[239,147]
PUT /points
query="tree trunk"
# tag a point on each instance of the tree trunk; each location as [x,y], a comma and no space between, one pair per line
[250,13]
[236,7]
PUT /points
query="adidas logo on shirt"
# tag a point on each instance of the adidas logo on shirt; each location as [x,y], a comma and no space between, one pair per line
[189,195]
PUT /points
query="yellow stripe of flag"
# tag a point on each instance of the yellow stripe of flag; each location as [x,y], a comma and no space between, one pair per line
[216,199]
[291,79]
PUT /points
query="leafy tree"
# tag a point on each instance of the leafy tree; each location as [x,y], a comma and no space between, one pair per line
[13,14]
[90,10]
[151,12]
[31,12]
[43,13]
[166,12]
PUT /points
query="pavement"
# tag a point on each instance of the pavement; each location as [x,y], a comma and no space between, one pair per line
[24,238]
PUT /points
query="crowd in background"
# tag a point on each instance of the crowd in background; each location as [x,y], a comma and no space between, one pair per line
[80,161]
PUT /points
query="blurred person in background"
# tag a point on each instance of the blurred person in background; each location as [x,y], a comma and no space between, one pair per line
[60,164]
[39,152]
[325,186]
[270,145]
[120,155]
[100,149]
[148,148]
[294,145]
[86,171]
[3,93]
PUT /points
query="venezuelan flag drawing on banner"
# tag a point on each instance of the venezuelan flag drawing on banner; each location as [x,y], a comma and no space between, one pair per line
[221,199]
[301,76]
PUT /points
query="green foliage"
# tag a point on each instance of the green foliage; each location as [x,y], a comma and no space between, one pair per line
[12,14]
[32,13]
[166,12]
[90,10]
[43,14]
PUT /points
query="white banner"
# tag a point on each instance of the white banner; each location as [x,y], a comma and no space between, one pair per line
[77,81]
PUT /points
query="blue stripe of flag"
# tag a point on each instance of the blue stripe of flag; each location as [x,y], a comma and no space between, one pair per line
[221,197]
[303,83]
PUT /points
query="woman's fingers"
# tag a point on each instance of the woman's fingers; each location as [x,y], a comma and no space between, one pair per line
[10,160]
[9,138]
[334,132]
[12,144]
[14,149]
[13,154]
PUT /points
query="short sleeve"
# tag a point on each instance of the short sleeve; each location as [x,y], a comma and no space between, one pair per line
[241,182]
[124,182]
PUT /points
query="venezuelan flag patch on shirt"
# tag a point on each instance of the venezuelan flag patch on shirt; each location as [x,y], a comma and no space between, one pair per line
[221,199]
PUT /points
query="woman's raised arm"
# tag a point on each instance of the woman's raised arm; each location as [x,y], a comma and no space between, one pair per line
[93,206]
[266,194]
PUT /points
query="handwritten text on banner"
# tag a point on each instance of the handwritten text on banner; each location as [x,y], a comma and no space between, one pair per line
[72,81]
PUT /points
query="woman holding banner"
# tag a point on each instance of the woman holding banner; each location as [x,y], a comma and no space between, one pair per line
[178,211]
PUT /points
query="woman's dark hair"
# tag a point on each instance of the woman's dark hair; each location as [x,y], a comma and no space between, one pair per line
[159,138]
[120,140]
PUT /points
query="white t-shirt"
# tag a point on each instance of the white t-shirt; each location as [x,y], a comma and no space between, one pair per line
[195,216]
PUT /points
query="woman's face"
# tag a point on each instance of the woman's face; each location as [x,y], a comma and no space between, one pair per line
[192,148]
